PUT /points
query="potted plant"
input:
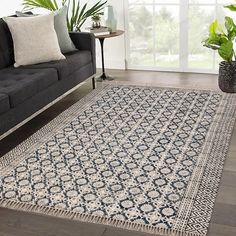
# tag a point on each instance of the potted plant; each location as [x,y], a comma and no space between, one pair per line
[77,14]
[223,40]
[96,21]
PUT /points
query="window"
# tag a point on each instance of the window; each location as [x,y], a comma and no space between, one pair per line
[167,34]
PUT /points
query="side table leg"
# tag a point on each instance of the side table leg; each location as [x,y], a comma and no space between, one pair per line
[103,76]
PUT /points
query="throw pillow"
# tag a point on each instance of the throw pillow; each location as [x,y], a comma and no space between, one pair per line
[60,24]
[34,38]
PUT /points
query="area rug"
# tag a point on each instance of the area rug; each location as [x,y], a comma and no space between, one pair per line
[139,158]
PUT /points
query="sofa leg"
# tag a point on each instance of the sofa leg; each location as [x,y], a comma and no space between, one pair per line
[93,82]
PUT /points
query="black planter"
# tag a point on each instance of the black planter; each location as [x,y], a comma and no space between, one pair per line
[227,76]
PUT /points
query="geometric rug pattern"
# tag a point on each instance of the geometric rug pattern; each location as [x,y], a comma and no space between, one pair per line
[141,158]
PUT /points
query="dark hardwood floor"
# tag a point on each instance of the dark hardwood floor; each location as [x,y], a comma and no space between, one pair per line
[16,223]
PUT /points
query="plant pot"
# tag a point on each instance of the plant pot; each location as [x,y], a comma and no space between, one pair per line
[96,24]
[227,76]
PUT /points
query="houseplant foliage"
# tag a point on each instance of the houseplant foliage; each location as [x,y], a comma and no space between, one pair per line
[222,39]
[77,14]
[96,21]
[231,7]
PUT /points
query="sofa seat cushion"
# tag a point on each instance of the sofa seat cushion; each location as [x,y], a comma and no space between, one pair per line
[74,61]
[21,84]
[4,103]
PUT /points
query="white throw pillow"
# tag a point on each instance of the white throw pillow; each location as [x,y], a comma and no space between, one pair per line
[35,39]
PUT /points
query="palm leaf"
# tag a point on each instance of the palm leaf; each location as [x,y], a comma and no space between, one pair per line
[84,14]
[77,14]
[47,4]
[77,11]
[73,8]
[82,11]
[55,4]
[67,18]
[72,20]
[94,9]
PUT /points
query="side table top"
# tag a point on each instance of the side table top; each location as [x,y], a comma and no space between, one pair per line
[111,35]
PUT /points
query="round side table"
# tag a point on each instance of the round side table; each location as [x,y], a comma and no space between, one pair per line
[102,39]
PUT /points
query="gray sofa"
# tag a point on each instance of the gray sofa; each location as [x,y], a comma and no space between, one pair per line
[25,91]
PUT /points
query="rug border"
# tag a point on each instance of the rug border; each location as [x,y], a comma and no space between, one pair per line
[28,207]
[226,124]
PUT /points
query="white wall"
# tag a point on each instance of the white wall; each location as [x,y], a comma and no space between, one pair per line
[8,7]
[114,47]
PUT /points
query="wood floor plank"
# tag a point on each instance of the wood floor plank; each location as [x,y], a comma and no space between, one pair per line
[232,147]
[120,232]
[231,155]
[227,195]
[233,142]
[27,224]
[224,214]
[228,179]
[230,164]
[221,230]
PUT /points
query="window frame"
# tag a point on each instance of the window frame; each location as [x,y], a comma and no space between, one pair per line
[183,37]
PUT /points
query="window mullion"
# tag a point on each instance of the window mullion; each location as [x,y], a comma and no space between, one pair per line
[154,33]
[183,38]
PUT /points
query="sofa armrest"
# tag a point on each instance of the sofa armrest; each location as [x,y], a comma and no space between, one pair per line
[85,41]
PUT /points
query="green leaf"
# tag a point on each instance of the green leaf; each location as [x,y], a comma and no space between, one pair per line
[77,14]
[231,28]
[85,14]
[231,7]
[226,51]
[55,4]
[82,12]
[229,24]
[47,4]
[212,42]
[221,41]
[213,27]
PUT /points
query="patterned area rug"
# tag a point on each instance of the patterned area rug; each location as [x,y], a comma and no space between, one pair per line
[139,158]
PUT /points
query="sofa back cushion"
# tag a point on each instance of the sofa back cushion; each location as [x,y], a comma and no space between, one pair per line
[6,46]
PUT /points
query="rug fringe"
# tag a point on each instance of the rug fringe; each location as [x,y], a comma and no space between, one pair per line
[82,217]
